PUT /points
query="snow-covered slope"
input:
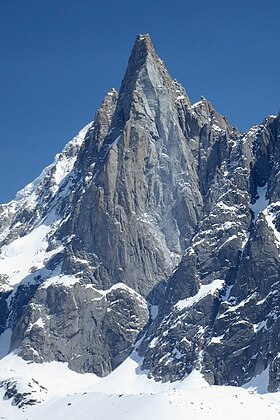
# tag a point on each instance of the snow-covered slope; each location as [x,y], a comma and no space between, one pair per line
[36,195]
[52,391]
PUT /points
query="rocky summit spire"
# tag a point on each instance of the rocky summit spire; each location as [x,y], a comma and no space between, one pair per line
[146,76]
[142,48]
[139,57]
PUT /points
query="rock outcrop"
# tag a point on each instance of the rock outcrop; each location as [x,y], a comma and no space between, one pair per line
[156,204]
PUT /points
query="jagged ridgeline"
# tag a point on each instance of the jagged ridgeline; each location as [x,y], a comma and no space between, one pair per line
[159,224]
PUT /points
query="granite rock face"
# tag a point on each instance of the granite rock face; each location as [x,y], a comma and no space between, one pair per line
[93,331]
[220,313]
[156,204]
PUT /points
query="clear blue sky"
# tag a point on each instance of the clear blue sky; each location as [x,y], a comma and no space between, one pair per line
[59,57]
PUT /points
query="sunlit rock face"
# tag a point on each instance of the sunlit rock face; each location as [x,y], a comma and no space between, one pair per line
[157,227]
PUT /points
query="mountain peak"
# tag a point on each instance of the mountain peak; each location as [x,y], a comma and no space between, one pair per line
[144,40]
[140,51]
[147,75]
[141,57]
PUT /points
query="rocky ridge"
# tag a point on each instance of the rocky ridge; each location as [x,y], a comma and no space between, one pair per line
[157,227]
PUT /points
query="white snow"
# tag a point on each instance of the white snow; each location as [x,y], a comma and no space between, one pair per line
[18,258]
[260,325]
[180,97]
[217,340]
[231,238]
[204,290]
[66,280]
[62,165]
[111,92]
[222,205]
[39,323]
[239,305]
[259,383]
[55,376]
[129,395]
[261,203]
[153,343]
[124,287]
[217,128]
[175,404]
[81,260]
[103,293]
[197,104]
